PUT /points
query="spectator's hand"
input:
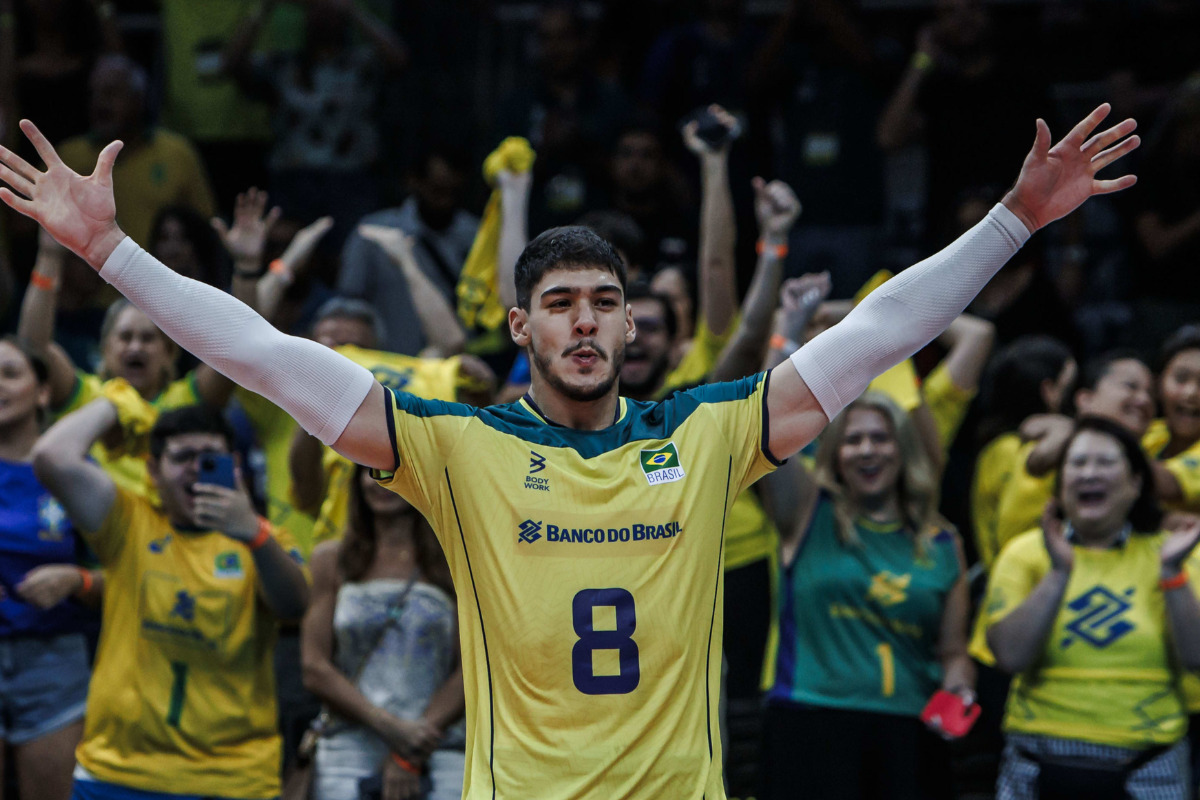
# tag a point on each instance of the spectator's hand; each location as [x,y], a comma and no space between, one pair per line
[247,239]
[692,140]
[48,585]
[396,243]
[1062,554]
[301,248]
[411,738]
[78,211]
[1054,181]
[226,510]
[776,207]
[805,293]
[399,783]
[1042,427]
[1185,532]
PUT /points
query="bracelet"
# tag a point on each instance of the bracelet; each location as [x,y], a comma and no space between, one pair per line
[262,537]
[1177,581]
[88,581]
[39,281]
[280,269]
[921,61]
[405,764]
[781,342]
[780,251]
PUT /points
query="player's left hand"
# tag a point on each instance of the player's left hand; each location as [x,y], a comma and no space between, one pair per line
[399,783]
[775,206]
[1054,181]
[48,585]
[227,510]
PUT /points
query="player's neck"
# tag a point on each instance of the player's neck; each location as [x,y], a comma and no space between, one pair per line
[581,415]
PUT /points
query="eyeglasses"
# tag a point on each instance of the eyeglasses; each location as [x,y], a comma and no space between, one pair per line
[186,456]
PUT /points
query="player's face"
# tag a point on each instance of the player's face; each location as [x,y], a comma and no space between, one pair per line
[1181,395]
[869,456]
[176,470]
[337,331]
[20,393]
[137,351]
[649,355]
[1122,395]
[382,502]
[1098,488]
[576,330]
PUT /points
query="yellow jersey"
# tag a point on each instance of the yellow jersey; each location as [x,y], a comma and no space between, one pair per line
[1184,467]
[128,470]
[1107,672]
[589,570]
[948,403]
[182,695]
[431,378]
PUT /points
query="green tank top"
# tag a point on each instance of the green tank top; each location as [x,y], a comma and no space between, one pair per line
[859,626]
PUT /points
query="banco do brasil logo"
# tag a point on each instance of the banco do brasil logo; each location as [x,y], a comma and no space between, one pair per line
[1099,617]
[530,531]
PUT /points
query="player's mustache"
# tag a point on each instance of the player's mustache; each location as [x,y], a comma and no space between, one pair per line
[587,344]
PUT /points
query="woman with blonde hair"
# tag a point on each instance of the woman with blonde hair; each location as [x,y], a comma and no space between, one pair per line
[872,614]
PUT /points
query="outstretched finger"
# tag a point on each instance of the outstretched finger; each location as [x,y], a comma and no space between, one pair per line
[104,163]
[18,203]
[1114,185]
[1105,138]
[1102,160]
[272,216]
[1084,128]
[1041,139]
[220,227]
[18,165]
[40,143]
[16,181]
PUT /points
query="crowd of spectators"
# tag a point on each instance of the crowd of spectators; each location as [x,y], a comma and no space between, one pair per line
[757,166]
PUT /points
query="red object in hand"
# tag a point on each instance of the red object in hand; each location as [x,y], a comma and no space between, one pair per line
[947,714]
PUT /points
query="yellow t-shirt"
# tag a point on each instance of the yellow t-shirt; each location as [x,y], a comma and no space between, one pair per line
[947,402]
[1185,467]
[182,697]
[700,358]
[1022,500]
[431,378]
[163,171]
[275,429]
[1107,673]
[590,564]
[128,471]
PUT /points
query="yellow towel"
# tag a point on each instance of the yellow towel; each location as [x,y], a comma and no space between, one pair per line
[479,305]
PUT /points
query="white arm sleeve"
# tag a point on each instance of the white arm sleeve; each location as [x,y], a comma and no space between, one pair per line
[318,387]
[906,313]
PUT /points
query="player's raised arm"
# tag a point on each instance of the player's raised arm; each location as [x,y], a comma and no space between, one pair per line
[907,312]
[336,400]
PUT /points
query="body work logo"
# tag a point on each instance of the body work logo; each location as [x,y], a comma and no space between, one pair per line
[662,465]
[537,463]
[1099,617]
[530,531]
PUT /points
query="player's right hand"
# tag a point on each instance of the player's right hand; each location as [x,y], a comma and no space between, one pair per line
[78,211]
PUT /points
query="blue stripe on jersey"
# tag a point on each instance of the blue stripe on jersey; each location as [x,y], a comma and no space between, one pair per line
[644,420]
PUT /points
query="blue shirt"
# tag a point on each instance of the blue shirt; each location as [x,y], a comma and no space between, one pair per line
[34,530]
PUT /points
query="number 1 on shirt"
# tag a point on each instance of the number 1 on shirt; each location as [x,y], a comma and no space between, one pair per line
[887,666]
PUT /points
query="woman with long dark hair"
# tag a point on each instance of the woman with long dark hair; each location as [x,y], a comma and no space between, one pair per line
[379,646]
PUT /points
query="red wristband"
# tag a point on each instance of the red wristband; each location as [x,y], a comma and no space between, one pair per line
[278,267]
[405,764]
[260,538]
[39,281]
[88,582]
[780,251]
[1175,582]
[781,342]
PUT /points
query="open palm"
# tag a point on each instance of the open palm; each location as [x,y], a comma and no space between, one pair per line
[78,211]
[1180,544]
[1054,181]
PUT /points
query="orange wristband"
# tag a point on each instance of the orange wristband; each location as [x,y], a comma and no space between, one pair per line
[781,342]
[263,535]
[405,764]
[277,267]
[88,582]
[1176,582]
[39,281]
[780,251]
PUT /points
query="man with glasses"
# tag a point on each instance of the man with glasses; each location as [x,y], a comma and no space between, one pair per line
[182,698]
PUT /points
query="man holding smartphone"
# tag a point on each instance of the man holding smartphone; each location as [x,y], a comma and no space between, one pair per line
[182,697]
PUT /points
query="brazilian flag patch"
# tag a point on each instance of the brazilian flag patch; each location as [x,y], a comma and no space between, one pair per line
[229,565]
[662,465]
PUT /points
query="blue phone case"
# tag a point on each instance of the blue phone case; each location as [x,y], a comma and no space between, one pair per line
[217,468]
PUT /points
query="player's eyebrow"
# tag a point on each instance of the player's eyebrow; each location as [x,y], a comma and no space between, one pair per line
[604,288]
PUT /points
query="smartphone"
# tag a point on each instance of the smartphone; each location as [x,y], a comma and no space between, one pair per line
[949,716]
[710,129]
[217,469]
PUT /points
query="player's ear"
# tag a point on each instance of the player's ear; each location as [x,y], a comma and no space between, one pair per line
[630,328]
[518,326]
